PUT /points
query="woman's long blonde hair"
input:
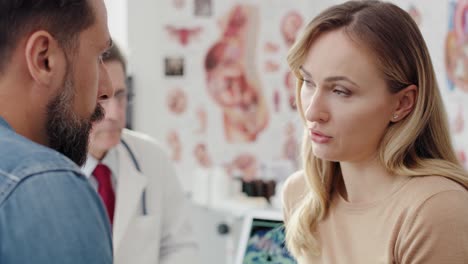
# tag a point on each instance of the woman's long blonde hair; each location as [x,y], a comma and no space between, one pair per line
[418,145]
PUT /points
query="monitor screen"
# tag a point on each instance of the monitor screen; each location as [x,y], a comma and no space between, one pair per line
[266,243]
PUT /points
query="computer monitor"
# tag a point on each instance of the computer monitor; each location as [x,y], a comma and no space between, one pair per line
[262,239]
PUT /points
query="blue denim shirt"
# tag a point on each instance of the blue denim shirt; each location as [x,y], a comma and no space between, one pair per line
[48,211]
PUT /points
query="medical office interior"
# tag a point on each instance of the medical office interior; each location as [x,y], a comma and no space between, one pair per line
[211,83]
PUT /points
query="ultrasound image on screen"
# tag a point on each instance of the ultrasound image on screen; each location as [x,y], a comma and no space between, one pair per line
[266,244]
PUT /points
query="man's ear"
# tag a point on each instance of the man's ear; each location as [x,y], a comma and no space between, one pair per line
[45,59]
[406,100]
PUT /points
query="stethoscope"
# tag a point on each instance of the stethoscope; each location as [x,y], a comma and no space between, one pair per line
[137,166]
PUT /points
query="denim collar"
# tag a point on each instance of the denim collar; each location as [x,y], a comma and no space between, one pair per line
[4,123]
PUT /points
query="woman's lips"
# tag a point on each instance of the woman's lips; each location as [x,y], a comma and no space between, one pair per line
[319,137]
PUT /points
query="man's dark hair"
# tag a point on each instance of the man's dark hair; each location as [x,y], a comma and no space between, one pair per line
[114,54]
[63,19]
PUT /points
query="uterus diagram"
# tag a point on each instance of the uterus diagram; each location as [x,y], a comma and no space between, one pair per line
[232,80]
[183,35]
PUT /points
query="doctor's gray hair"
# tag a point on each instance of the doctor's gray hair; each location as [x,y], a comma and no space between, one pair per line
[115,54]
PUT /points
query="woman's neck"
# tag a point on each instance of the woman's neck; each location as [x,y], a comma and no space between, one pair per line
[366,182]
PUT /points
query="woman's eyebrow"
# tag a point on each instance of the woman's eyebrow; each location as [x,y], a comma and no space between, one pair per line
[306,73]
[340,78]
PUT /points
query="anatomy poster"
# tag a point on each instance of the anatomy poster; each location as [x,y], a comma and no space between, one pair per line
[232,78]
[230,97]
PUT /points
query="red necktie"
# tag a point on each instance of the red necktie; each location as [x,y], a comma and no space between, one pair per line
[102,174]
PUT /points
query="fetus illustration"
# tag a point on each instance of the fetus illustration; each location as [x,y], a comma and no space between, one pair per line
[231,77]
[290,25]
[178,4]
[177,101]
[271,47]
[245,165]
[462,157]
[202,120]
[271,66]
[175,145]
[290,84]
[290,145]
[458,123]
[202,156]
[276,100]
[456,47]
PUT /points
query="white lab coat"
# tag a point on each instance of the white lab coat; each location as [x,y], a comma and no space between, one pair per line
[164,235]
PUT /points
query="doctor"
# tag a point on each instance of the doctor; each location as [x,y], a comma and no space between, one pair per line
[138,185]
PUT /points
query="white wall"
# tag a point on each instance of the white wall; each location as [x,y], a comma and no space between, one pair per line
[118,22]
[144,40]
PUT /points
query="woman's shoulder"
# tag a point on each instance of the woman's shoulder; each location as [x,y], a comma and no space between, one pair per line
[426,197]
[294,184]
[436,222]
[294,189]
[436,192]
[429,186]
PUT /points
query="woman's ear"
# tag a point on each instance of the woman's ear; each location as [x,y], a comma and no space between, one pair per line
[406,100]
[44,58]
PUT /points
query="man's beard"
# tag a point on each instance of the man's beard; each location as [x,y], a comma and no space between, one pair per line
[66,131]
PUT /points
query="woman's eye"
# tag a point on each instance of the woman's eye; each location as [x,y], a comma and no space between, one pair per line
[341,91]
[308,83]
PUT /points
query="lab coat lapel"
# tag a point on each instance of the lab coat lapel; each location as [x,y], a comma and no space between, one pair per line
[130,186]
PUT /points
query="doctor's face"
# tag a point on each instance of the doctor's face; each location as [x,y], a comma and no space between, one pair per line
[346,103]
[106,133]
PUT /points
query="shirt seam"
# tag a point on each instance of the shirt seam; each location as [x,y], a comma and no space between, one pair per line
[17,183]
[10,176]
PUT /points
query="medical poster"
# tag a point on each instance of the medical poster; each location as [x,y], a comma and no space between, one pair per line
[230,97]
[229,93]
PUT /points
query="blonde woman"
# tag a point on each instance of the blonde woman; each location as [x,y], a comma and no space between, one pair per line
[380,181]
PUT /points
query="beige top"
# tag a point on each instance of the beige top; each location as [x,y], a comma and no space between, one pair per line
[424,221]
